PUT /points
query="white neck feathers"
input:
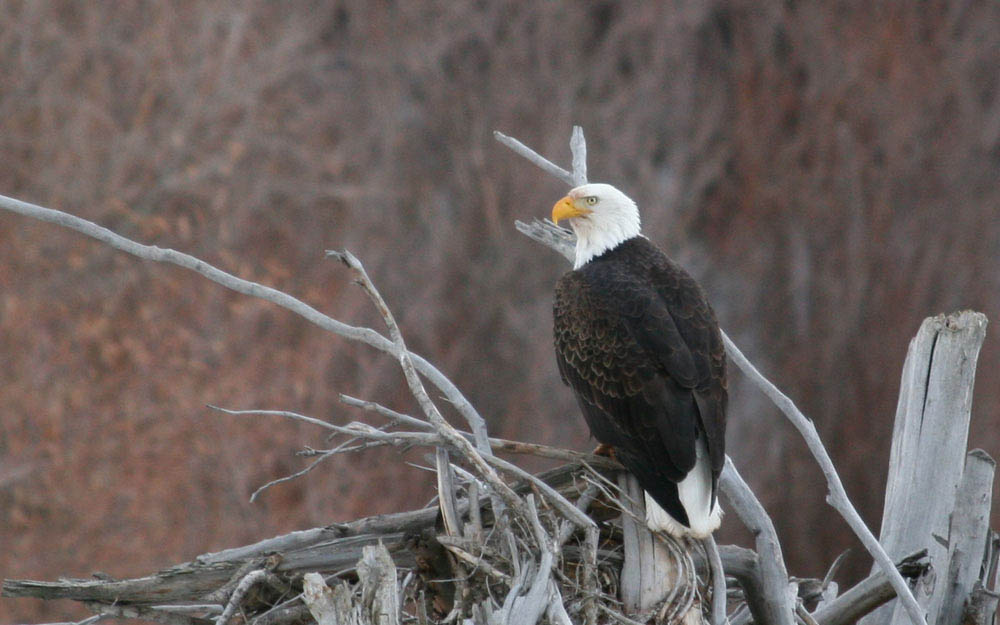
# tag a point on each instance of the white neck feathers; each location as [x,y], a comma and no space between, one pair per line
[614,220]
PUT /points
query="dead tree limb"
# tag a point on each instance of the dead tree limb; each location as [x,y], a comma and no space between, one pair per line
[774,602]
[870,593]
[837,496]
[253,289]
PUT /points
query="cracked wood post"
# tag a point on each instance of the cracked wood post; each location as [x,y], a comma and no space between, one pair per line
[970,525]
[379,588]
[929,442]
[329,606]
[648,574]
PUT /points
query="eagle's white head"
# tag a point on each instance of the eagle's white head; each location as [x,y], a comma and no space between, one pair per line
[601,216]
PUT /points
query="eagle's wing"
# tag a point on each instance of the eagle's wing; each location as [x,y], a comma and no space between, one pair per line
[699,329]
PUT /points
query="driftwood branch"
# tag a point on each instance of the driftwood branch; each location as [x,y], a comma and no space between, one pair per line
[253,289]
[773,603]
[869,593]
[545,164]
[718,581]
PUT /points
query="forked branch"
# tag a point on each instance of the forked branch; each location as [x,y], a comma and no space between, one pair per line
[254,289]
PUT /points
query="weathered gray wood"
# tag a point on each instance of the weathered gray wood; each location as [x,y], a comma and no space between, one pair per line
[330,548]
[631,575]
[970,524]
[649,574]
[320,599]
[447,494]
[344,552]
[870,593]
[285,542]
[179,583]
[929,441]
[982,607]
[772,602]
[379,589]
[718,581]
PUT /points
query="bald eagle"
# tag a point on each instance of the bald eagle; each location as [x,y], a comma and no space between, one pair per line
[639,345]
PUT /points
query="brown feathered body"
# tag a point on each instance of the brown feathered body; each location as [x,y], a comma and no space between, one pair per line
[639,344]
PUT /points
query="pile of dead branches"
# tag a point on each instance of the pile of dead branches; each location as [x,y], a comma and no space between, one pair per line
[420,567]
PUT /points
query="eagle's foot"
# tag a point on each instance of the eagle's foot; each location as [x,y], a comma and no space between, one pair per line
[605,450]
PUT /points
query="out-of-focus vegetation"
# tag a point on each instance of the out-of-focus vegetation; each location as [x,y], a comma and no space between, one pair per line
[828,171]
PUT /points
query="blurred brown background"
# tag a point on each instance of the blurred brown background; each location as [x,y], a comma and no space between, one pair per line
[829,171]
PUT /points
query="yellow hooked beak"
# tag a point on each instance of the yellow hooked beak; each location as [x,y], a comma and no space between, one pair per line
[567,208]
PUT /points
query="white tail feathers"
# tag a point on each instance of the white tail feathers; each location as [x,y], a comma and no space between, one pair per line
[695,492]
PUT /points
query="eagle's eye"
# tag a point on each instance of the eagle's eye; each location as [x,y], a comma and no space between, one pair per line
[591,200]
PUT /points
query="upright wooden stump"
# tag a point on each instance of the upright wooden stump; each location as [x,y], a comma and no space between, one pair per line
[928,454]
[650,574]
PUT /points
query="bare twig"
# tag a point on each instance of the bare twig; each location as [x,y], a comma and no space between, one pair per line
[549,235]
[802,613]
[474,561]
[189,608]
[390,414]
[443,428]
[254,578]
[565,507]
[618,616]
[590,581]
[832,571]
[497,444]
[142,612]
[868,594]
[294,476]
[578,148]
[529,608]
[253,289]
[718,581]
[548,166]
[431,439]
[474,529]
[566,529]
